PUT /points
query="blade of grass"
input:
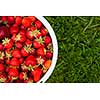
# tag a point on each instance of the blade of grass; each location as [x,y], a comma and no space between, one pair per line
[90,22]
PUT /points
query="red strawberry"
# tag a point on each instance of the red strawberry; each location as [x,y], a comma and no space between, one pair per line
[21,38]
[28,42]
[41,51]
[21,60]
[4,32]
[3,78]
[44,31]
[4,18]
[26,22]
[7,43]
[30,60]
[13,72]
[29,80]
[38,24]
[23,76]
[32,18]
[11,19]
[14,29]
[47,39]
[1,47]
[32,34]
[18,20]
[49,54]
[7,61]
[16,53]
[32,28]
[22,32]
[14,62]
[18,45]
[26,50]
[2,67]
[36,74]
[37,43]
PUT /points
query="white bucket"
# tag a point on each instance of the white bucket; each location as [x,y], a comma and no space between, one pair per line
[55,49]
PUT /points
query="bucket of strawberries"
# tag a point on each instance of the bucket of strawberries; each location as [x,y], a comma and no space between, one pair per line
[28,49]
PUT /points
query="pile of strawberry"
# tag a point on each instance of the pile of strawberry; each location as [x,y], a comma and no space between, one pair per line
[25,49]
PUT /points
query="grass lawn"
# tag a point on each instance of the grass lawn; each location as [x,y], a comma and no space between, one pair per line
[79,49]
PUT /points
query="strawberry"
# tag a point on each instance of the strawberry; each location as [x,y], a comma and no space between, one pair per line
[21,38]
[7,61]
[32,28]
[23,76]
[30,60]
[41,51]
[47,40]
[38,24]
[4,32]
[36,74]
[32,18]
[3,78]
[37,43]
[16,53]
[14,62]
[26,22]
[1,47]
[13,74]
[49,54]
[47,64]
[2,67]
[7,43]
[21,60]
[18,45]
[18,20]
[30,35]
[28,42]
[14,29]
[44,31]
[22,32]
[11,19]
[4,19]
[26,50]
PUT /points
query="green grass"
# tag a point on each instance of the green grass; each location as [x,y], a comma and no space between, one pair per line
[79,49]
